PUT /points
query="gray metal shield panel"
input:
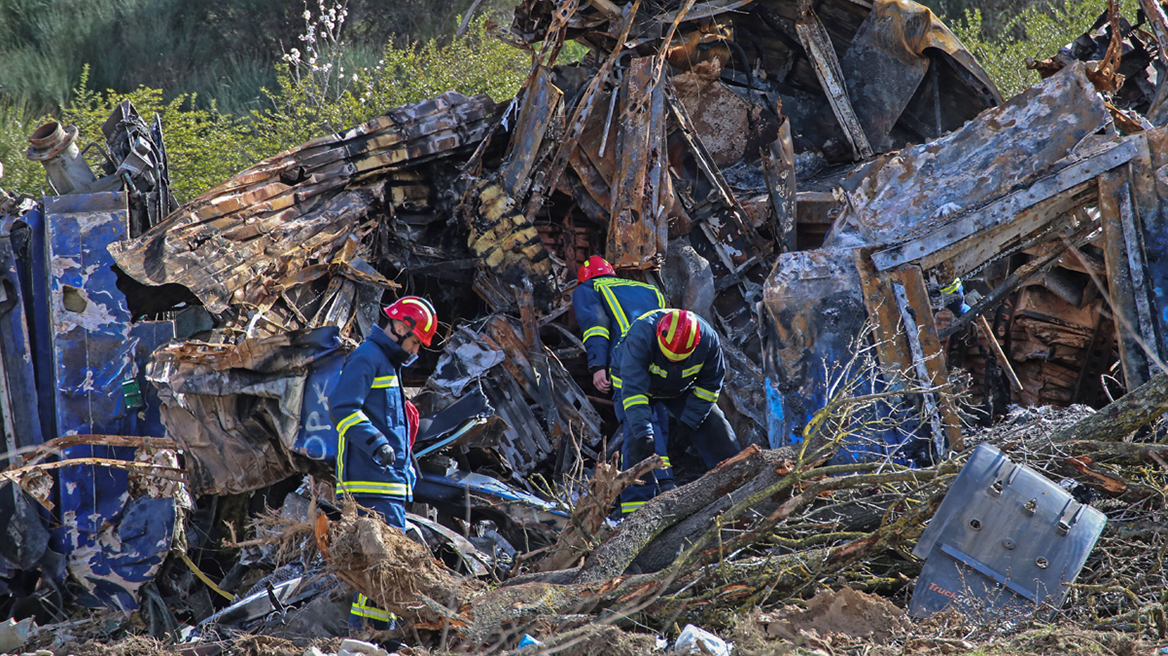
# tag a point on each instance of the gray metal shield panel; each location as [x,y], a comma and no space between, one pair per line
[1003,526]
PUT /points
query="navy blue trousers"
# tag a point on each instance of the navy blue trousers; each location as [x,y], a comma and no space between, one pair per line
[363,614]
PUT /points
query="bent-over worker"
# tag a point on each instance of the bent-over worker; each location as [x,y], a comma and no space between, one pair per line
[605,307]
[671,357]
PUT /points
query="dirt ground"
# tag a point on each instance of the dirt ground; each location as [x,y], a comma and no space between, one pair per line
[833,623]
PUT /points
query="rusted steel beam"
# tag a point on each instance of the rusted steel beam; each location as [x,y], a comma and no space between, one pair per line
[540,100]
[816,42]
[1032,226]
[637,233]
[1003,361]
[908,341]
[579,118]
[1156,17]
[1123,291]
[1003,148]
[1021,276]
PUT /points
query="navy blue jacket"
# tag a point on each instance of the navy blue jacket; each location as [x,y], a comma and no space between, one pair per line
[368,408]
[642,372]
[605,308]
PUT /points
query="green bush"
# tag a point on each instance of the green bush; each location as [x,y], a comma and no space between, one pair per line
[328,89]
[204,146]
[1044,30]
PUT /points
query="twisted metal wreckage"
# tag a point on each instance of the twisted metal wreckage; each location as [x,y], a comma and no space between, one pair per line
[789,170]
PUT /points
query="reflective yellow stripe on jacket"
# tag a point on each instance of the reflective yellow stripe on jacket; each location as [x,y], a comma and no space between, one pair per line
[596,331]
[706,395]
[635,400]
[375,487]
[362,608]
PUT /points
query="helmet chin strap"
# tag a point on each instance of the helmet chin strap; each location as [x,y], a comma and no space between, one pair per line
[398,339]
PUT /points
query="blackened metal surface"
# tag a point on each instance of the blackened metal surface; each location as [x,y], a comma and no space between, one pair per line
[814,311]
[779,164]
[924,187]
[817,44]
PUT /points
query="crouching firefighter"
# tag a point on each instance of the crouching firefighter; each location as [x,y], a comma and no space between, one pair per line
[671,357]
[605,307]
[374,422]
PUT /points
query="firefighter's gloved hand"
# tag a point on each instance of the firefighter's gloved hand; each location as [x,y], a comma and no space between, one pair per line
[643,447]
[384,456]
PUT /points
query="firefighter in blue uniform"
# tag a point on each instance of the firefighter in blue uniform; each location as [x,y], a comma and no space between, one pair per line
[671,357]
[605,307]
[368,407]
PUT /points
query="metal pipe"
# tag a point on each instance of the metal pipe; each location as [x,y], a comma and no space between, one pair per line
[56,148]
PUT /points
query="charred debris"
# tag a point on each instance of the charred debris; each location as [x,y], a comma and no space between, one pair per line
[814,178]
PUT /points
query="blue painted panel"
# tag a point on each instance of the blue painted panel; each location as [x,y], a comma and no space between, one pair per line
[112,543]
[88,318]
[21,424]
[113,570]
[318,436]
[148,336]
[35,288]
[814,312]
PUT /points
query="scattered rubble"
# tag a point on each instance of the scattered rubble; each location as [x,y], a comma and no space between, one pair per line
[908,272]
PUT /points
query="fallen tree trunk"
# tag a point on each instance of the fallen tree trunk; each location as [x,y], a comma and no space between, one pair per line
[579,538]
[1121,418]
[613,557]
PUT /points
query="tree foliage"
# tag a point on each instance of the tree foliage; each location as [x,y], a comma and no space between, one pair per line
[1037,32]
[324,89]
[206,145]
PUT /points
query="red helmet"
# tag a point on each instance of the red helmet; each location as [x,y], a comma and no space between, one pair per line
[594,266]
[678,334]
[418,314]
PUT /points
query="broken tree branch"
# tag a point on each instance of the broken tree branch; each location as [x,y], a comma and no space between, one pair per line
[1120,419]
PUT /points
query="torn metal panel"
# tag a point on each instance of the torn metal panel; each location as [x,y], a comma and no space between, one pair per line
[638,229]
[887,60]
[238,410]
[462,422]
[924,188]
[1005,210]
[778,162]
[517,380]
[18,390]
[898,304]
[1114,204]
[26,536]
[1147,243]
[814,310]
[817,44]
[541,102]
[461,492]
[580,419]
[296,205]
[114,560]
